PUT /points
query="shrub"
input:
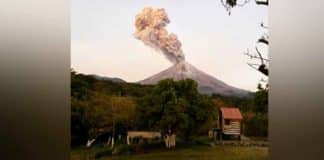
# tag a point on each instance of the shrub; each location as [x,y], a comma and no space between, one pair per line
[123,149]
[100,154]
[202,140]
[255,124]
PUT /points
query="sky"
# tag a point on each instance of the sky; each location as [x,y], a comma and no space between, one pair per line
[102,40]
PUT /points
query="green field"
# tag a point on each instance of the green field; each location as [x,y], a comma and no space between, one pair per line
[203,153]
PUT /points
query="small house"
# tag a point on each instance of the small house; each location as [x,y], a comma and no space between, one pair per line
[229,121]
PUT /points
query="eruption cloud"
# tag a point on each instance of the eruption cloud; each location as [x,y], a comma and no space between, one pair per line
[150,29]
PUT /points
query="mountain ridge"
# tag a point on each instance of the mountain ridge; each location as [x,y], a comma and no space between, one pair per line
[113,79]
[207,84]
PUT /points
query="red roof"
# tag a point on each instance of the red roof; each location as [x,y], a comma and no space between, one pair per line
[231,113]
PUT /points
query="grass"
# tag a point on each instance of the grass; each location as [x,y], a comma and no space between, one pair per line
[259,138]
[201,153]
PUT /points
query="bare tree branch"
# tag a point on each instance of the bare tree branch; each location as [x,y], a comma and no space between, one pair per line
[261,58]
[242,4]
[260,67]
[263,40]
[253,66]
[255,56]
[228,4]
[262,2]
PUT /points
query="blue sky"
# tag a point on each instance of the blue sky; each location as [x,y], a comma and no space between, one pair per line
[102,42]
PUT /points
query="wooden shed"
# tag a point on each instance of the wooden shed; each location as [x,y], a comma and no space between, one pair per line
[229,121]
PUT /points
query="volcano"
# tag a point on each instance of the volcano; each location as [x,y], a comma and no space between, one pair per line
[207,84]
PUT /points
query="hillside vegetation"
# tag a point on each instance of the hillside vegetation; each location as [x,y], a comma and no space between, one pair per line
[102,107]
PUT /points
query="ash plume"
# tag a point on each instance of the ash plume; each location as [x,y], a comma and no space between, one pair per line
[150,26]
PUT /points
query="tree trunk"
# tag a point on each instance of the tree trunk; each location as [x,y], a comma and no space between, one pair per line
[112,142]
[108,141]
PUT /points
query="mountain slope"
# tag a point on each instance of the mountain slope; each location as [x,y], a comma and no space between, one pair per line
[206,83]
[113,79]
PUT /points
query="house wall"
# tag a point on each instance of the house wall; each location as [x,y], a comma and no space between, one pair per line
[234,127]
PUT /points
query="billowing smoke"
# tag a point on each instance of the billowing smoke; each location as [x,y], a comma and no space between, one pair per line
[150,28]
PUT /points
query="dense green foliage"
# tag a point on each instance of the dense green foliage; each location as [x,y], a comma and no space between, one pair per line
[255,124]
[175,105]
[256,120]
[260,99]
[100,107]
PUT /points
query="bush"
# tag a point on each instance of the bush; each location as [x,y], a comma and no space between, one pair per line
[194,140]
[117,150]
[203,140]
[100,154]
[123,149]
[255,125]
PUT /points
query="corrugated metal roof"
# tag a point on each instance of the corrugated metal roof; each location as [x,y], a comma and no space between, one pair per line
[231,113]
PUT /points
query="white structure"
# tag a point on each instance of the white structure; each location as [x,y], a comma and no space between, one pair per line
[140,134]
[170,141]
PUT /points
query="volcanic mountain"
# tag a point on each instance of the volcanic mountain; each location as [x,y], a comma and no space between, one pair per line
[206,83]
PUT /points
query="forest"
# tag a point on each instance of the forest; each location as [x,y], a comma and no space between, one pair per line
[101,107]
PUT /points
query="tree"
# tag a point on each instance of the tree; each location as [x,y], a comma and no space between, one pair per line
[90,118]
[228,4]
[122,113]
[260,99]
[99,116]
[263,65]
[101,107]
[174,105]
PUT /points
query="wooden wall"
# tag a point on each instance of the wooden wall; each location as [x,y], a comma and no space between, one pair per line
[234,127]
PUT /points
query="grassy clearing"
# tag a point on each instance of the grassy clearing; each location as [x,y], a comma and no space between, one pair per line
[201,153]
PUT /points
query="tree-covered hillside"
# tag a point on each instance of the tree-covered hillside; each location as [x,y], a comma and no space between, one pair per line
[102,107]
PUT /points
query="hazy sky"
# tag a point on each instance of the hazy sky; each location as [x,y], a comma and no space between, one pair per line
[102,42]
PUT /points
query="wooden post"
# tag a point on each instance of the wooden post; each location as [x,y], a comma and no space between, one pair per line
[128,140]
[221,137]
[112,142]
[108,141]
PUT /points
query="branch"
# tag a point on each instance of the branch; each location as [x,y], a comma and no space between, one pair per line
[242,4]
[255,57]
[256,48]
[253,65]
[266,3]
[263,40]
[228,4]
[252,56]
[262,68]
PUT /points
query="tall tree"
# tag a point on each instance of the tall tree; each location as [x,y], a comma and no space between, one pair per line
[174,105]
